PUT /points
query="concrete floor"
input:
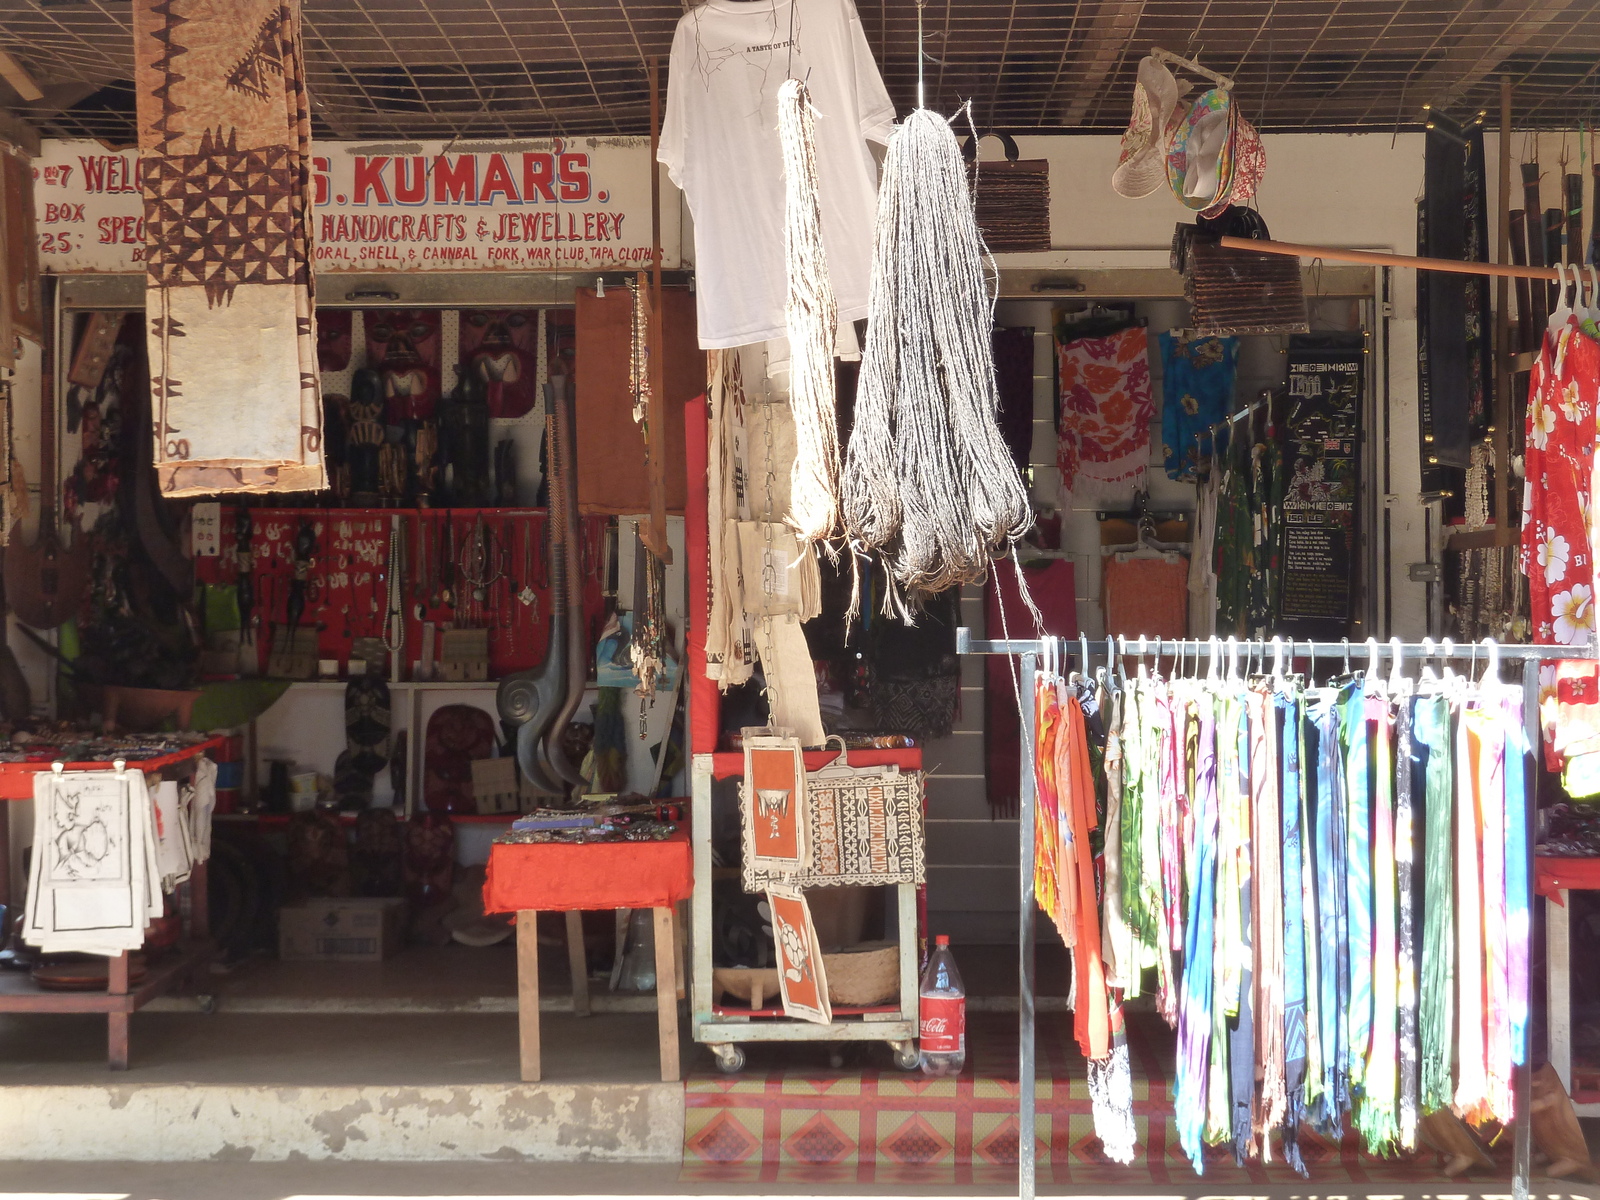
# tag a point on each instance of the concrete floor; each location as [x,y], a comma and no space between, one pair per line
[460,1181]
[320,1050]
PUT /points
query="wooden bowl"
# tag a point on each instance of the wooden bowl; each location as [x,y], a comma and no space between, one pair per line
[140,710]
[859,977]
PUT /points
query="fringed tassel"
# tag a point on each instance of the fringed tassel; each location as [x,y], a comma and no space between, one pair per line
[928,481]
[811,320]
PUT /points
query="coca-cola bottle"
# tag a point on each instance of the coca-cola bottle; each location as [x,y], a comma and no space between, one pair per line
[943,1043]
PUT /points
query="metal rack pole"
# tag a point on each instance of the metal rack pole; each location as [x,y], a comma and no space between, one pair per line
[1030,650]
[1027,1070]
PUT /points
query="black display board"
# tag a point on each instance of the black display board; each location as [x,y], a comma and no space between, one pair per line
[1327,381]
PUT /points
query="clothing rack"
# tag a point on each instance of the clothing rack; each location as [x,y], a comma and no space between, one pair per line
[1032,650]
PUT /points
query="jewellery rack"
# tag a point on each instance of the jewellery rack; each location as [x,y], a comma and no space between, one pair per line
[1032,650]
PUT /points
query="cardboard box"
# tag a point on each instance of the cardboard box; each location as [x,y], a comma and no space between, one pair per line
[496,785]
[348,929]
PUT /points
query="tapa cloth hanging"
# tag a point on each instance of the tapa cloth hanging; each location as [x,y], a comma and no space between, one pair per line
[225,128]
[864,828]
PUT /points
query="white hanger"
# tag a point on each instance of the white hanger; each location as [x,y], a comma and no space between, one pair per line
[1214,645]
[1428,674]
[1563,308]
[1277,660]
[1372,659]
[1396,683]
[1233,658]
[1591,310]
[1491,670]
[1083,654]
[1144,670]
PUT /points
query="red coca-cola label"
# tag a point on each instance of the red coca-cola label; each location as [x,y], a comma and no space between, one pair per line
[944,1024]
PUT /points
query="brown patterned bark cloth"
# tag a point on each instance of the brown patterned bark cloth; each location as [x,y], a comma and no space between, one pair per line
[225,140]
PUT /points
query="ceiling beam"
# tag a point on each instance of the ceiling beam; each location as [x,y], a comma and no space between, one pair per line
[17,76]
[1497,32]
[1104,43]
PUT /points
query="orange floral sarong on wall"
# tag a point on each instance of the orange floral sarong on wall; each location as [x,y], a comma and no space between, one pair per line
[1106,409]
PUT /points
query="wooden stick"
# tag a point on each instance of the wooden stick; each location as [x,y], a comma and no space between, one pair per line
[1500,503]
[528,993]
[578,960]
[654,531]
[1335,254]
[667,994]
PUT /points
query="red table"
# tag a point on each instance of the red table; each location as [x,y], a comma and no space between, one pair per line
[532,877]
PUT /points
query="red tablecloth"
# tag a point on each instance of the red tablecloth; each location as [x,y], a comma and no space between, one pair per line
[1553,875]
[560,877]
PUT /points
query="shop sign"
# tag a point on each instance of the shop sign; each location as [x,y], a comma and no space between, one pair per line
[1326,380]
[579,204]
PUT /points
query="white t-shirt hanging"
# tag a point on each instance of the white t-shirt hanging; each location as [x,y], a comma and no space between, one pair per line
[719,141]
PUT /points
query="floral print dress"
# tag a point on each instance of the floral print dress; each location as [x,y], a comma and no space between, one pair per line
[1557,556]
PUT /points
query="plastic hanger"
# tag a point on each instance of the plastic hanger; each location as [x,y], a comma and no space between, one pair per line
[1592,310]
[1428,675]
[1396,682]
[1214,648]
[1563,309]
[1233,658]
[1491,670]
[1144,670]
[1277,661]
[1083,653]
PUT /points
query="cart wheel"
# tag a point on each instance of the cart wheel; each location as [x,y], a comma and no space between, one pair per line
[906,1056]
[730,1058]
[207,1002]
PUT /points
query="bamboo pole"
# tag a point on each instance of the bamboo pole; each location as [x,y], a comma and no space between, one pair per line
[654,531]
[1377,259]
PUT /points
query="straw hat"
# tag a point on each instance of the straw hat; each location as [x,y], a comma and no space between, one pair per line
[1195,159]
[1157,111]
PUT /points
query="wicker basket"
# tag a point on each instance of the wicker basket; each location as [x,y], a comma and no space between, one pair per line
[858,977]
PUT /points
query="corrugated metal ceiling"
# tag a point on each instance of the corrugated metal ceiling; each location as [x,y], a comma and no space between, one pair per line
[486,68]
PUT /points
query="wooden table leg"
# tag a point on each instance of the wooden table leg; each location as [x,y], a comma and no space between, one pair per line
[667,993]
[117,1022]
[528,993]
[680,945]
[578,959]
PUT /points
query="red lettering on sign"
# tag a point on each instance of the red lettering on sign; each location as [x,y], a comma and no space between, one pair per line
[497,181]
[456,184]
[573,170]
[411,180]
[369,178]
[538,178]
[320,167]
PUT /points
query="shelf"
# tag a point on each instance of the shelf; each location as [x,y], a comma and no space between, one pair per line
[16,778]
[281,820]
[20,994]
[729,764]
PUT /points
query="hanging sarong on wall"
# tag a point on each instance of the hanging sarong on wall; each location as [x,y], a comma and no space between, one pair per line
[225,130]
[1106,408]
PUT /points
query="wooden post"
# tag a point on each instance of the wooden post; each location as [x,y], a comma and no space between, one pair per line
[528,993]
[1500,501]
[667,993]
[654,533]
[578,960]
[117,1022]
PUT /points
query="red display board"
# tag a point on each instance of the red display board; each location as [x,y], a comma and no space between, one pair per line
[564,877]
[347,584]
